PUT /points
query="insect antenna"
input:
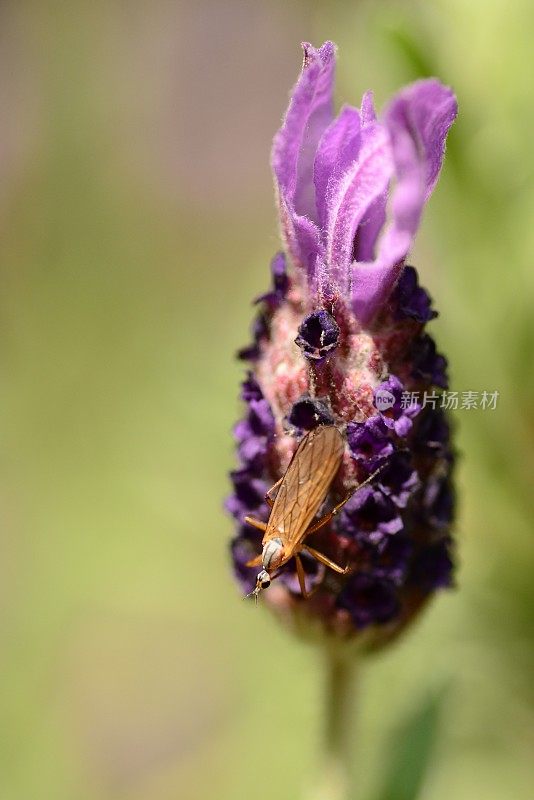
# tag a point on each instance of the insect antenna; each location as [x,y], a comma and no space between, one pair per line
[371,477]
[254,593]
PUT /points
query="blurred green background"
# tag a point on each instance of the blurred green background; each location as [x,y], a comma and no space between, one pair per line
[137,223]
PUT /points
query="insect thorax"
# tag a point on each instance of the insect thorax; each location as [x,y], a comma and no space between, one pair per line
[273,554]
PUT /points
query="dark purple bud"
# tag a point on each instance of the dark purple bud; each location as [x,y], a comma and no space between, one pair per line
[428,364]
[411,300]
[250,389]
[432,435]
[275,296]
[438,502]
[309,412]
[318,335]
[260,332]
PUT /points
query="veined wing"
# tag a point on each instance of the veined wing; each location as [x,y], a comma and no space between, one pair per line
[306,483]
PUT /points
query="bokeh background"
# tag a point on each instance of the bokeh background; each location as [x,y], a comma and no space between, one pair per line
[137,222]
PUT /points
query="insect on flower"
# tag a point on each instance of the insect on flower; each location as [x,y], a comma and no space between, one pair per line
[301,492]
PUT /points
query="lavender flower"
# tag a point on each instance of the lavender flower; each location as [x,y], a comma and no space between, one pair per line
[339,340]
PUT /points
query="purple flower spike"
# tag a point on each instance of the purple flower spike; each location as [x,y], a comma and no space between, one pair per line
[396,413]
[351,190]
[318,335]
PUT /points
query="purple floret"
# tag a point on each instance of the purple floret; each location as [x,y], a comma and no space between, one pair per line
[370,516]
[250,389]
[429,365]
[433,431]
[276,295]
[438,502]
[398,479]
[392,558]
[370,600]
[433,566]
[369,441]
[260,333]
[249,494]
[411,300]
[309,412]
[318,335]
[388,399]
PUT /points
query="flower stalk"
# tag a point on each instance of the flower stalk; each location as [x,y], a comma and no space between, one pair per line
[336,759]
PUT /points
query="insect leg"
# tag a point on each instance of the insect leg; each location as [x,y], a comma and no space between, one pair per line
[268,499]
[331,514]
[324,560]
[256,523]
[327,517]
[302,577]
[254,562]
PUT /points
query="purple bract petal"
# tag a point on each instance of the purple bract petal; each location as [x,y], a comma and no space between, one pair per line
[310,112]
[350,199]
[338,148]
[417,120]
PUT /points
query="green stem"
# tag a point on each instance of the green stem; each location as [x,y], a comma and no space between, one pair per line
[333,780]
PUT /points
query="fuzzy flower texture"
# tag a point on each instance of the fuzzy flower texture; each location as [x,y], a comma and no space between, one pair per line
[340,339]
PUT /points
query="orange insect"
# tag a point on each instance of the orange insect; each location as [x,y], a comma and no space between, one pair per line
[301,493]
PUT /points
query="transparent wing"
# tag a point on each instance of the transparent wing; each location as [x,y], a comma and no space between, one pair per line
[306,484]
